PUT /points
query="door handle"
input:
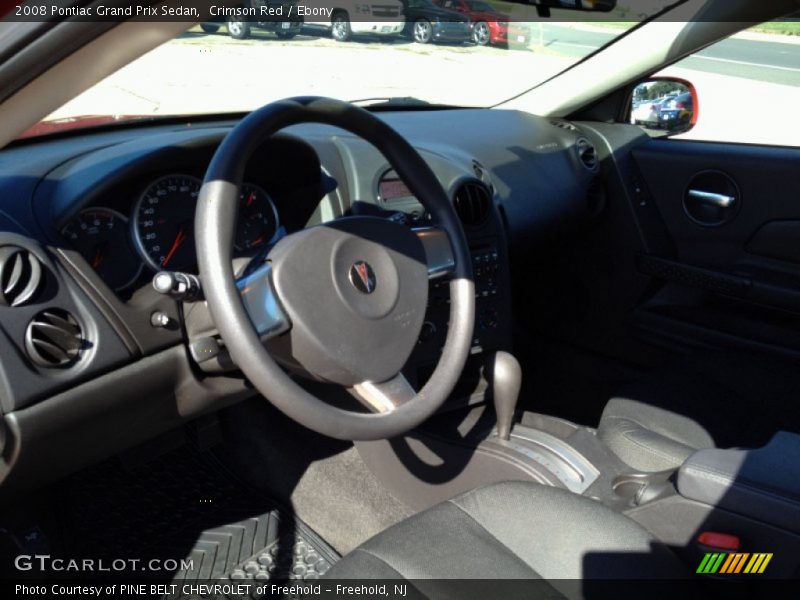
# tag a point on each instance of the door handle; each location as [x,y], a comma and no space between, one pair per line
[712,198]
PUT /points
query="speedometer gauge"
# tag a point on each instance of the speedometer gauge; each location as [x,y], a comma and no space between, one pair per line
[258,218]
[101,237]
[163,223]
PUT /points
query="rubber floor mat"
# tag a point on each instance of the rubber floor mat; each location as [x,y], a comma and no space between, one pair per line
[183,518]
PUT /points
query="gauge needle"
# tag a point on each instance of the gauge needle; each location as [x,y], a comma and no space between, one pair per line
[179,239]
[251,198]
[98,258]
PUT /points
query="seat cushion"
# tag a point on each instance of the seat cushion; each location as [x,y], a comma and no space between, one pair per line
[716,398]
[511,530]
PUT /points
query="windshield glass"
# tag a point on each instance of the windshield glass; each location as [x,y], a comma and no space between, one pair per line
[233,65]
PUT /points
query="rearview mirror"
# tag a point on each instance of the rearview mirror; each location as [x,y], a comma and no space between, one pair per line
[664,106]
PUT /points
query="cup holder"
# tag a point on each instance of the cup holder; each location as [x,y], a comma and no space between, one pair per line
[629,486]
[639,488]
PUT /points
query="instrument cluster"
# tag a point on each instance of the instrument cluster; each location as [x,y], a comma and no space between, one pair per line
[158,232]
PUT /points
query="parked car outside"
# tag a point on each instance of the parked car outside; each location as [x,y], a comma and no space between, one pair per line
[426,22]
[349,17]
[489,26]
[285,24]
[646,114]
[676,112]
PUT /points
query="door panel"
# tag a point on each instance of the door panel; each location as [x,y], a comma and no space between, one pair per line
[733,215]
[645,283]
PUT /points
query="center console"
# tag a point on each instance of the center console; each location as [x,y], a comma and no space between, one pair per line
[750,496]
[459,450]
[761,483]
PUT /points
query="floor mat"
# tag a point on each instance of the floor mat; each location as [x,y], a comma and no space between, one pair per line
[183,517]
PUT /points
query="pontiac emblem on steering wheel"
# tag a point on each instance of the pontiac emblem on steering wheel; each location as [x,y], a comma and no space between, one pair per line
[362,277]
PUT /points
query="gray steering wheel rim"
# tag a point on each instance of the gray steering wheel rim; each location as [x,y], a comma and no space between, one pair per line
[215,224]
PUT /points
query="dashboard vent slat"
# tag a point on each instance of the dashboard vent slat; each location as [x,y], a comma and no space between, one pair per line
[473,203]
[21,276]
[53,338]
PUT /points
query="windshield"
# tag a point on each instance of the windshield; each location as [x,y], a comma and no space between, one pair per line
[233,65]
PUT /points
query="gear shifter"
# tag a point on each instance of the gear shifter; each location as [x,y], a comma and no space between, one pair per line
[506,378]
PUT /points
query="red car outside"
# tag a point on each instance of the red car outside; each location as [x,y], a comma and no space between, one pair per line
[489,26]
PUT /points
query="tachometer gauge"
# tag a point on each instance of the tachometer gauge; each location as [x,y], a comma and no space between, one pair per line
[163,223]
[101,236]
[258,218]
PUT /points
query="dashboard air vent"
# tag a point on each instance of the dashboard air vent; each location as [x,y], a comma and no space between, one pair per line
[473,203]
[53,338]
[586,153]
[21,276]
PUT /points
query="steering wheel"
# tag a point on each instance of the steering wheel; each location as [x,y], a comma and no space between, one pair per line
[346,299]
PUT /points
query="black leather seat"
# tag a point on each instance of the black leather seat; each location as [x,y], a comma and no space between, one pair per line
[512,530]
[716,399]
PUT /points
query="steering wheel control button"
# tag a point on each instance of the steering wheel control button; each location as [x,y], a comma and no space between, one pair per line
[363,277]
[428,332]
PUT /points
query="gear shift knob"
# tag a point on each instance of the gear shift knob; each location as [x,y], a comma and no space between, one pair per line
[506,382]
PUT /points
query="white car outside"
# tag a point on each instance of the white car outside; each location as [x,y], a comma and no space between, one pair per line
[647,113]
[349,17]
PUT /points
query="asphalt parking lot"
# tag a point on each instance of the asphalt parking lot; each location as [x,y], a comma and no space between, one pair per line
[200,72]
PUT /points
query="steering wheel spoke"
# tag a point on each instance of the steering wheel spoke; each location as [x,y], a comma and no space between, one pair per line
[386,396]
[261,303]
[438,251]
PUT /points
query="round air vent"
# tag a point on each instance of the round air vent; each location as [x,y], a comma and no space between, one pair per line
[53,338]
[586,153]
[473,202]
[21,276]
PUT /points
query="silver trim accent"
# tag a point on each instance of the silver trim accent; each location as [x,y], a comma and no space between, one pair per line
[713,199]
[386,396]
[261,303]
[563,461]
[438,251]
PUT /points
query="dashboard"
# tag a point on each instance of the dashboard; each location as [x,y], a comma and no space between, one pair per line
[86,221]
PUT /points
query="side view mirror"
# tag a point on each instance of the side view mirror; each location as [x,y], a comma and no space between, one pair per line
[664,106]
